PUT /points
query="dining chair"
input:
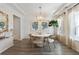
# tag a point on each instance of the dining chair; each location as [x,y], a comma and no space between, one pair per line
[38,42]
[51,41]
[34,40]
[31,40]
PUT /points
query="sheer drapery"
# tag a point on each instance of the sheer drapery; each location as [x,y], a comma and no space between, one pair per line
[60,20]
[74,21]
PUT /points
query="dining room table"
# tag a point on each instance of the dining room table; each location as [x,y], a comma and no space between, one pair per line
[43,38]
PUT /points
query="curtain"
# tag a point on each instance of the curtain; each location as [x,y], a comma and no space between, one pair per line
[60,20]
[74,21]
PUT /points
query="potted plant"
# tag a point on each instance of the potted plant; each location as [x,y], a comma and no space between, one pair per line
[54,23]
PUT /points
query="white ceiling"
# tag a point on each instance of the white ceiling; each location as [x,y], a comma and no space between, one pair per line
[32,9]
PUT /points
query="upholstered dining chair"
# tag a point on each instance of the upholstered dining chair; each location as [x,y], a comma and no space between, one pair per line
[49,41]
[34,40]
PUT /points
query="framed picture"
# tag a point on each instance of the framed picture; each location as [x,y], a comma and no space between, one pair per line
[44,25]
[35,25]
[3,22]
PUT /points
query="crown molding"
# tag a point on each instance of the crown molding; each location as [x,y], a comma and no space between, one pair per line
[64,8]
[16,7]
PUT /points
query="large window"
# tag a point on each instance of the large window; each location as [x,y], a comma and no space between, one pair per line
[71,24]
[76,15]
[74,23]
[61,25]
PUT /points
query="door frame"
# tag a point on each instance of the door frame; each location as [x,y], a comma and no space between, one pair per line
[19,27]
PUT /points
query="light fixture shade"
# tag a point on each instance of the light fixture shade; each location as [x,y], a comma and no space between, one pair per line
[40,17]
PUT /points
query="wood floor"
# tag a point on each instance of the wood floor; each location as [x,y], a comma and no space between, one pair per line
[24,48]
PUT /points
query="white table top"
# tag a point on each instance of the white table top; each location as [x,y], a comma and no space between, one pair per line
[41,35]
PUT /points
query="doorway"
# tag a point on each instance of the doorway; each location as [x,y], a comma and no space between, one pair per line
[16,27]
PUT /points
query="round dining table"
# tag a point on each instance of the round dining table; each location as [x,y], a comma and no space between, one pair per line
[41,35]
[43,38]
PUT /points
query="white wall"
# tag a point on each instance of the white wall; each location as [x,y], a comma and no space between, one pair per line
[25,27]
[26,20]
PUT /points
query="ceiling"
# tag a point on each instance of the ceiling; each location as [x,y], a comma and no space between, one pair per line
[31,10]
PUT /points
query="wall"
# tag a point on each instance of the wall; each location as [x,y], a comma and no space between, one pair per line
[25,27]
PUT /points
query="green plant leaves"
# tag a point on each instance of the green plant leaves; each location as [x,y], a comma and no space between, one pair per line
[53,23]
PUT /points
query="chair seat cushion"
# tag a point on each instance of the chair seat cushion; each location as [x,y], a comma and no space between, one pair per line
[51,40]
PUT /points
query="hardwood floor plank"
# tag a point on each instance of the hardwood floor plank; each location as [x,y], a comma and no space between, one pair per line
[24,48]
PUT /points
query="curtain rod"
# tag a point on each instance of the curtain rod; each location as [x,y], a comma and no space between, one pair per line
[67,8]
[73,6]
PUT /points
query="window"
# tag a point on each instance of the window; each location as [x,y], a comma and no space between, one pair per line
[71,24]
[76,15]
[74,23]
[61,25]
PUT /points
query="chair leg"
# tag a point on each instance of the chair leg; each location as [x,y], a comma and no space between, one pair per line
[48,44]
[54,44]
[43,43]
